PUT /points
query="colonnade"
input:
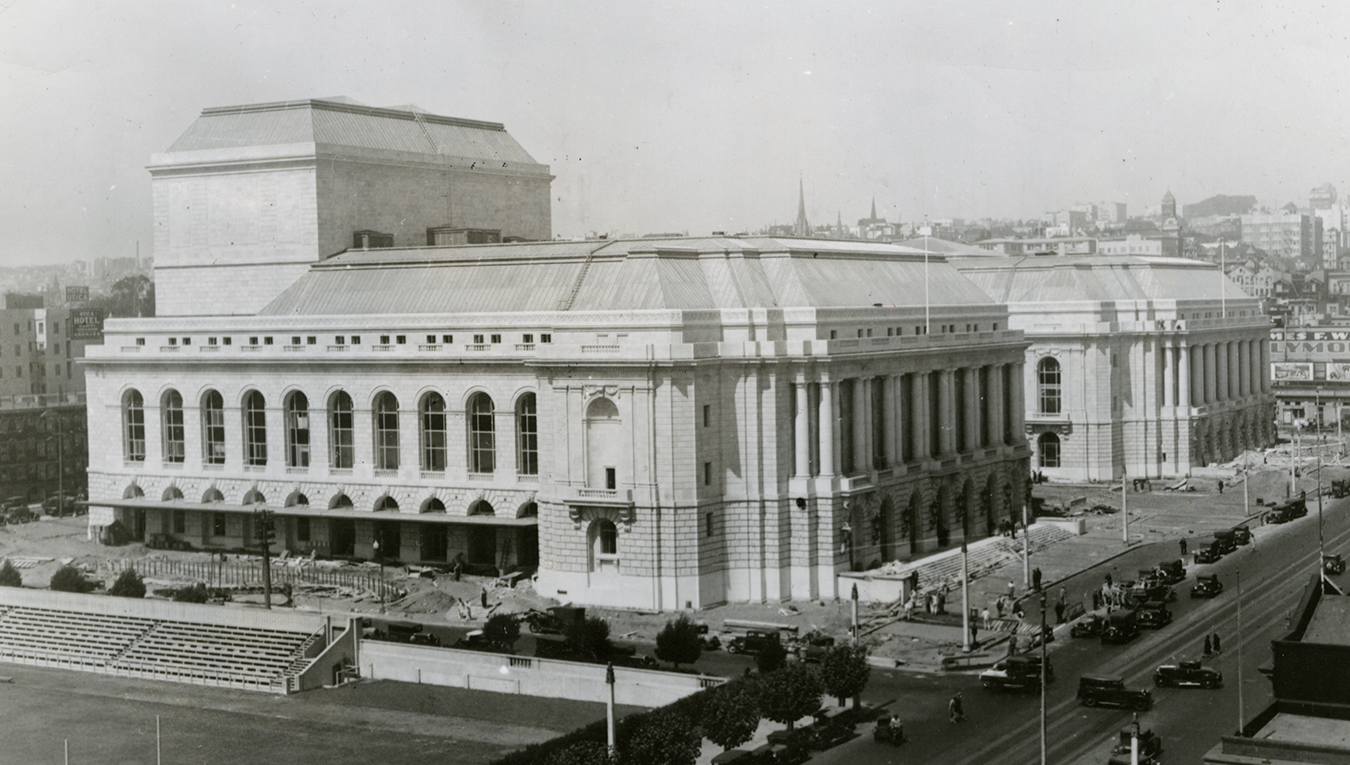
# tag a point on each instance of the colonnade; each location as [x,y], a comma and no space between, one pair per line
[1198,374]
[850,425]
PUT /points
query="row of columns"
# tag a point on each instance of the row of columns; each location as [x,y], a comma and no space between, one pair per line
[888,420]
[1195,374]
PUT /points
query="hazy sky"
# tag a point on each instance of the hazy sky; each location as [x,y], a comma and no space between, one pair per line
[699,116]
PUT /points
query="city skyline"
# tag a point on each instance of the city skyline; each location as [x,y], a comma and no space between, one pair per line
[703,120]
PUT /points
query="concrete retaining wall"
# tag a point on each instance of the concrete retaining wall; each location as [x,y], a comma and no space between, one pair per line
[161,609]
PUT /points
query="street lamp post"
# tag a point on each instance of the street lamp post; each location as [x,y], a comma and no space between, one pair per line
[380,558]
[1044,663]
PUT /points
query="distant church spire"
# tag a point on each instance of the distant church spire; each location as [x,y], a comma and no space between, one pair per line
[838,223]
[874,208]
[802,227]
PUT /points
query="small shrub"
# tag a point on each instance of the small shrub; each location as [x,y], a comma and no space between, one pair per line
[678,643]
[771,658]
[9,576]
[128,585]
[194,594]
[69,579]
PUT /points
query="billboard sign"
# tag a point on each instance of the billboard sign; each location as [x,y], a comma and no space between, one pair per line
[1291,371]
[86,325]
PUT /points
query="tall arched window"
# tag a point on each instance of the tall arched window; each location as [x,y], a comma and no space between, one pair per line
[482,441]
[604,546]
[133,427]
[1048,385]
[527,436]
[603,445]
[433,433]
[297,430]
[213,428]
[386,432]
[171,417]
[1048,446]
[255,429]
[340,432]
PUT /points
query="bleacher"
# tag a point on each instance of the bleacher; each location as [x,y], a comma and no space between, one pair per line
[215,654]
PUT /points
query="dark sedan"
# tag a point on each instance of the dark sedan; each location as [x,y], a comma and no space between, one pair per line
[1207,586]
[1187,674]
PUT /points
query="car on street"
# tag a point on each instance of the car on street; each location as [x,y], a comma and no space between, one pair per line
[1242,534]
[1153,614]
[1121,627]
[1185,674]
[1333,564]
[1016,674]
[1104,690]
[752,642]
[1171,571]
[1210,553]
[1207,586]
[1089,626]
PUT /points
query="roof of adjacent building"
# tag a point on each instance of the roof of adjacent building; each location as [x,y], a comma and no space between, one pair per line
[343,122]
[1330,622]
[625,275]
[944,246]
[1073,278]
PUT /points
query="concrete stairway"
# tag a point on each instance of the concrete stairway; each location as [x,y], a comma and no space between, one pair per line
[983,556]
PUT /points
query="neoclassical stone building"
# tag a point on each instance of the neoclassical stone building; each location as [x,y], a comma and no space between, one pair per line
[1138,366]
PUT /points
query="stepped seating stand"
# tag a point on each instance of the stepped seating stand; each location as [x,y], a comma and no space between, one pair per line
[56,635]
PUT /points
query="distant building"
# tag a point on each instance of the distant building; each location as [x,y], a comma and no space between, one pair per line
[1132,244]
[1322,197]
[43,446]
[1289,235]
[40,347]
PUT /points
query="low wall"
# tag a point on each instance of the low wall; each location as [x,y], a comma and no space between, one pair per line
[165,610]
[339,652]
[524,675]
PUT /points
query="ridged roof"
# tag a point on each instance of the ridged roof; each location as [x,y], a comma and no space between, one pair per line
[343,122]
[1068,278]
[621,275]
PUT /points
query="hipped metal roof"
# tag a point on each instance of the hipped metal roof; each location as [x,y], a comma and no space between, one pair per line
[1070,278]
[625,275]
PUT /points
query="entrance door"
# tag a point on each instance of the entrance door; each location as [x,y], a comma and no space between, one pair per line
[527,547]
[390,537]
[342,536]
[138,524]
[483,545]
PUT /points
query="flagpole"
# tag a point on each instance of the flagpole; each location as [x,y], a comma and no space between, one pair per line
[1223,282]
[927,322]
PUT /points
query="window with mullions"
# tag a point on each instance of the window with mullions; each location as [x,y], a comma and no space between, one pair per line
[255,429]
[133,427]
[297,431]
[1048,386]
[340,431]
[527,436]
[433,433]
[386,432]
[1048,446]
[213,428]
[175,447]
[482,445]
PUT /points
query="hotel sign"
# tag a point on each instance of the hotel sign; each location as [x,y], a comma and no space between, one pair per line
[86,325]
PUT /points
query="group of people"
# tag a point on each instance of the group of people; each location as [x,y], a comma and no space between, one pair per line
[1212,645]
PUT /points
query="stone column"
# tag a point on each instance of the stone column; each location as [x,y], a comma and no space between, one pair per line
[802,434]
[1234,370]
[919,414]
[827,419]
[996,413]
[889,426]
[946,413]
[1185,381]
[1221,369]
[862,425]
[1264,371]
[974,427]
[1018,413]
[1169,375]
[1211,389]
[1243,362]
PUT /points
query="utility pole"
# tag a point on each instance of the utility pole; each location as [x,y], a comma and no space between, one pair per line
[1044,664]
[609,713]
[1242,716]
[1124,510]
[965,604]
[263,520]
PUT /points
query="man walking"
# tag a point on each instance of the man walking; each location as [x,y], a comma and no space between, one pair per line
[1209,646]
[1217,649]
[954,710]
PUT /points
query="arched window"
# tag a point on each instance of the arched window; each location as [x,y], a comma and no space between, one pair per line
[433,433]
[255,429]
[482,446]
[340,431]
[604,546]
[527,436]
[133,427]
[254,497]
[171,493]
[171,411]
[297,430]
[603,445]
[213,428]
[340,501]
[212,495]
[433,505]
[1048,446]
[297,499]
[482,507]
[386,502]
[1048,385]
[386,432]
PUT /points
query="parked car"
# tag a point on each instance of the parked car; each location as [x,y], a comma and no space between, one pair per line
[55,505]
[1333,564]
[1101,690]
[17,512]
[812,646]
[752,642]
[1340,487]
[1294,508]
[1243,535]
[1207,586]
[1153,614]
[1121,627]
[1209,554]
[1150,748]
[1171,571]
[1226,540]
[1153,590]
[1017,673]
[1089,626]
[1187,673]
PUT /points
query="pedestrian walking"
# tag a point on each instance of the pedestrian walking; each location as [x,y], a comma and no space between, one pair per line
[998,606]
[1183,548]
[1220,487]
[985,616]
[1209,646]
[1036,579]
[1012,589]
[954,710]
[1012,644]
[483,597]
[1064,595]
[1059,613]
[974,634]
[1217,649]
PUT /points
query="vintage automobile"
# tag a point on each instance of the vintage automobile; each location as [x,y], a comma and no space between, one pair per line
[1226,539]
[752,642]
[1333,564]
[1102,690]
[1294,508]
[1121,627]
[889,730]
[1152,590]
[1242,534]
[1171,571]
[828,729]
[1150,748]
[1207,586]
[1340,487]
[1210,553]
[1016,674]
[1187,674]
[1089,626]
[554,621]
[1153,614]
[812,646]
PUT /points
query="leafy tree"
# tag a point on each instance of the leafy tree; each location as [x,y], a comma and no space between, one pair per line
[771,658]
[194,594]
[69,579]
[501,630]
[661,738]
[789,694]
[128,585]
[678,643]
[9,576]
[730,714]
[590,638]
[582,753]
[844,672]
